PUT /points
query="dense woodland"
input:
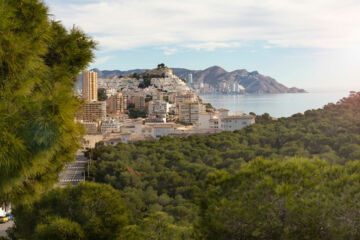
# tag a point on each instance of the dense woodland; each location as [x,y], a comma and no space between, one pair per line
[291,178]
[169,176]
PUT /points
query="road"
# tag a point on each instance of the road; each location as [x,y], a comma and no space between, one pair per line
[74,172]
[4,227]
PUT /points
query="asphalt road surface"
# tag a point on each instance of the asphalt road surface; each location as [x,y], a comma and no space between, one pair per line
[74,172]
[4,227]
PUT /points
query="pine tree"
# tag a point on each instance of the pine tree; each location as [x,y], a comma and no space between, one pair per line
[39,62]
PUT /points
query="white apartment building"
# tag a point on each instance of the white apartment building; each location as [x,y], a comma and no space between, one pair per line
[237,122]
[162,129]
[158,107]
[204,119]
[222,113]
[110,92]
[214,123]
[110,125]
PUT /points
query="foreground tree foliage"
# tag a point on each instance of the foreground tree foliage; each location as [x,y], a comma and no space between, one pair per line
[39,62]
[89,211]
[291,199]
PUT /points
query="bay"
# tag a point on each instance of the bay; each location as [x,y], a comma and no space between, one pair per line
[277,105]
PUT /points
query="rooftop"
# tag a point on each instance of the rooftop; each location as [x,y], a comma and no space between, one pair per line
[240,117]
[162,125]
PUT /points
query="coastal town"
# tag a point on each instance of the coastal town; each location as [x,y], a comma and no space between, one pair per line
[148,106]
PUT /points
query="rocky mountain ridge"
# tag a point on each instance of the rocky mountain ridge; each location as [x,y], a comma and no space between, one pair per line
[253,82]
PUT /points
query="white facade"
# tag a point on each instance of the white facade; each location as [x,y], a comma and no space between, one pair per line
[214,123]
[204,119]
[110,125]
[110,92]
[158,107]
[190,78]
[232,123]
[162,129]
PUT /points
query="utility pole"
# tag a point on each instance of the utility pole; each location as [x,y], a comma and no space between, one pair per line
[89,165]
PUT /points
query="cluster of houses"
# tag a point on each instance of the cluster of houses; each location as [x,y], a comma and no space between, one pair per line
[166,107]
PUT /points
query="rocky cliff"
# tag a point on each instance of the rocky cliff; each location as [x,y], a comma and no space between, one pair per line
[253,82]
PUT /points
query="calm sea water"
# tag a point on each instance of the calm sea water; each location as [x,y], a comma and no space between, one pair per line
[277,105]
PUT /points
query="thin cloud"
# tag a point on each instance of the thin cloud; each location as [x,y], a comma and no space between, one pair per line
[211,46]
[102,60]
[169,50]
[210,24]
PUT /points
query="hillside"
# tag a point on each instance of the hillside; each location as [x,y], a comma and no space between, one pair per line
[167,176]
[294,178]
[253,82]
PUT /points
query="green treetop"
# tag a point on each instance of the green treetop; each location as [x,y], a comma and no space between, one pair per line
[39,62]
[88,211]
[290,199]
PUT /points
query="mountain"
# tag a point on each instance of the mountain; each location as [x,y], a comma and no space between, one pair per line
[116,73]
[253,82]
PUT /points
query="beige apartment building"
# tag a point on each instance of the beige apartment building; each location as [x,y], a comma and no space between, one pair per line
[139,102]
[116,104]
[89,86]
[189,112]
[93,111]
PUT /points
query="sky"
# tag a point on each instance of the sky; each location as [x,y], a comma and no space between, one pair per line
[311,44]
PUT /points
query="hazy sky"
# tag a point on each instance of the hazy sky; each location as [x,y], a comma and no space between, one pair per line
[304,43]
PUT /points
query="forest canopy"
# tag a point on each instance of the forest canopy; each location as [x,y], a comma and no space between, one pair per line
[293,178]
[170,176]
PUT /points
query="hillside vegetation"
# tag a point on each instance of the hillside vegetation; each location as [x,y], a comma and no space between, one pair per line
[294,178]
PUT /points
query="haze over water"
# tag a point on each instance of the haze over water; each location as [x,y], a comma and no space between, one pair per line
[277,105]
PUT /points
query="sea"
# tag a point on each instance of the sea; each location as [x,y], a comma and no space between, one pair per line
[277,105]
